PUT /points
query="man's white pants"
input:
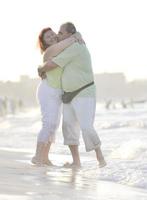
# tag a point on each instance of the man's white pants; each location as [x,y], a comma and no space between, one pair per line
[80,114]
[50,104]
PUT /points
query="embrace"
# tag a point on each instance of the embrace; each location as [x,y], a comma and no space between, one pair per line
[65,69]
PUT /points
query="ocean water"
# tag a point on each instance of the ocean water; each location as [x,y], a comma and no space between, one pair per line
[123,133]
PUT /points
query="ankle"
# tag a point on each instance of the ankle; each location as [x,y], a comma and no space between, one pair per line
[77,163]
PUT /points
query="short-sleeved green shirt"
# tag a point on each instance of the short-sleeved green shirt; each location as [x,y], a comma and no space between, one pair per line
[77,69]
[54,75]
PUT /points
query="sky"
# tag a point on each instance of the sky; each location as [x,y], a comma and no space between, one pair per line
[115,32]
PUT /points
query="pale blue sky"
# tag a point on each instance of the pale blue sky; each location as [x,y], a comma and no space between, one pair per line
[114,30]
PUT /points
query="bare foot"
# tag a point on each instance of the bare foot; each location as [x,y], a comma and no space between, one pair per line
[102,163]
[34,160]
[72,165]
[49,163]
[37,162]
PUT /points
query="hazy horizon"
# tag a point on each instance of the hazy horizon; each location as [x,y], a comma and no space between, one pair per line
[109,74]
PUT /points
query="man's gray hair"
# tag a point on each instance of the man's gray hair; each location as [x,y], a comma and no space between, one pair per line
[70,27]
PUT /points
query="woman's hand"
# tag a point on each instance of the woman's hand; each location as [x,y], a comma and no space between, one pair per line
[78,38]
[41,73]
[39,70]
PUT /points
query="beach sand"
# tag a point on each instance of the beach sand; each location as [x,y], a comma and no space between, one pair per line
[19,179]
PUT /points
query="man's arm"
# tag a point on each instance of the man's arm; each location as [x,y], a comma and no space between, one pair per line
[47,66]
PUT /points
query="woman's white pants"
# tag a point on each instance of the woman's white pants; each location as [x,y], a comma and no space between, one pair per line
[50,103]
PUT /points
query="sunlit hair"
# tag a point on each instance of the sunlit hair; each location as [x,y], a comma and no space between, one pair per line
[41,42]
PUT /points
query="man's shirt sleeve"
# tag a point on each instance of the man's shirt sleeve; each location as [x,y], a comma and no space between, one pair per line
[67,55]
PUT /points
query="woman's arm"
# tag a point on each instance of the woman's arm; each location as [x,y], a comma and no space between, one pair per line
[57,48]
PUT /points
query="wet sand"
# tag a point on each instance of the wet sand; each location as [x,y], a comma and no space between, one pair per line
[19,179]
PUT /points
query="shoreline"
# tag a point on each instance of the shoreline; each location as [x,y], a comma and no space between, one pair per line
[21,180]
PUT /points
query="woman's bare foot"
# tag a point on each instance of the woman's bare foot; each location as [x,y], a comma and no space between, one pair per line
[49,163]
[34,160]
[37,162]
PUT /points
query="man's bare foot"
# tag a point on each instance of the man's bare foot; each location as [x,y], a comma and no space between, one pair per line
[102,163]
[72,165]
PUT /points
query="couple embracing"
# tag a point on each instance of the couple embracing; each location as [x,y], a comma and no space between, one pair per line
[66,78]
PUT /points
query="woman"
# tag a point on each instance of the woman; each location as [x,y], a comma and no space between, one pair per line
[49,94]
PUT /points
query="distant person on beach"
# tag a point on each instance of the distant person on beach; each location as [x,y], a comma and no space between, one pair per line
[49,94]
[77,72]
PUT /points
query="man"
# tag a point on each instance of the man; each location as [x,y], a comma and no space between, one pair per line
[80,112]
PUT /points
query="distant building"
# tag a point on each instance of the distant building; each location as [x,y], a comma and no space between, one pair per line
[138,89]
[111,86]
